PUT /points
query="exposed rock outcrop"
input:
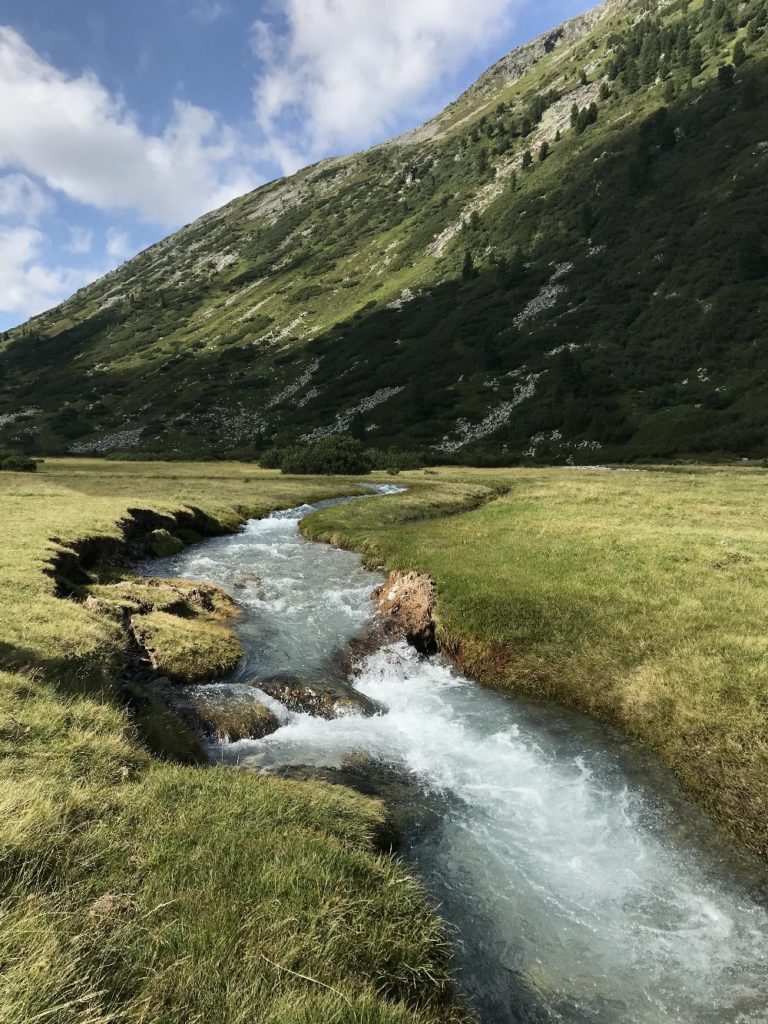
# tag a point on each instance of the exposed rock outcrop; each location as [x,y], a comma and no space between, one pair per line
[406,604]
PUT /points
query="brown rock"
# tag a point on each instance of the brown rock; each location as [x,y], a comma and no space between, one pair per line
[309,699]
[227,717]
[406,605]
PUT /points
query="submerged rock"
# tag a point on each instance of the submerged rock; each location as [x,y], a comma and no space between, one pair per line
[225,715]
[245,580]
[308,698]
[406,605]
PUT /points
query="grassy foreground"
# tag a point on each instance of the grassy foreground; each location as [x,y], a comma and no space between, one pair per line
[637,596]
[133,890]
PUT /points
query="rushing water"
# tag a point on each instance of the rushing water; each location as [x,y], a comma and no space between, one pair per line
[580,885]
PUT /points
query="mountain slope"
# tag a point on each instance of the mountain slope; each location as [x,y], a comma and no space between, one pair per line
[568,264]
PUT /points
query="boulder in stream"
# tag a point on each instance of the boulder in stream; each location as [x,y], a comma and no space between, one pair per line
[227,714]
[321,701]
[406,604]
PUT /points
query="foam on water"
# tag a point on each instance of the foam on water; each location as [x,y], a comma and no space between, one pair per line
[582,887]
[301,602]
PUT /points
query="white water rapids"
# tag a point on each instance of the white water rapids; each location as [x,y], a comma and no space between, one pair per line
[580,886]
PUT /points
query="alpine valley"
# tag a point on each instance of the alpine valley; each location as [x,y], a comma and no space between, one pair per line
[568,264]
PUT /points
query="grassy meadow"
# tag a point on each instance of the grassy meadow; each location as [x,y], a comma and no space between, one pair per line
[136,890]
[637,596]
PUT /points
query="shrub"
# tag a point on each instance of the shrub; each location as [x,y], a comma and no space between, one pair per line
[331,456]
[393,460]
[272,458]
[15,462]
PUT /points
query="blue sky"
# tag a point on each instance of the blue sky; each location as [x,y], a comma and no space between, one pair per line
[121,121]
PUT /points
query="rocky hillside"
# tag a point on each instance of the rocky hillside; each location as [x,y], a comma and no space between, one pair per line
[568,264]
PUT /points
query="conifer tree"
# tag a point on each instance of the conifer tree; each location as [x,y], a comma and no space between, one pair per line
[725,75]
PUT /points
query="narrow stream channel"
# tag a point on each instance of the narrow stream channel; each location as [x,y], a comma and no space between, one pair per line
[580,886]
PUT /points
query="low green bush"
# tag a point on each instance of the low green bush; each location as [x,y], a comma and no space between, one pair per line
[331,456]
[336,456]
[15,462]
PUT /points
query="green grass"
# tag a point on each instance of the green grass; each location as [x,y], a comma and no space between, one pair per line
[136,890]
[133,890]
[187,650]
[636,596]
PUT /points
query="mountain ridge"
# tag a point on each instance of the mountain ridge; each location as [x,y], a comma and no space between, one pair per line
[568,268]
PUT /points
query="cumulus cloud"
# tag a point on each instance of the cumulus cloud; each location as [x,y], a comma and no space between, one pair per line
[118,245]
[79,139]
[80,239]
[337,73]
[27,285]
[334,75]
[22,199]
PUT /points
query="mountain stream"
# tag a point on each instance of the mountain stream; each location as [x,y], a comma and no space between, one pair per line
[578,884]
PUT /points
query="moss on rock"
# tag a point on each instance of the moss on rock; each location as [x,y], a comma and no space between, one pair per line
[163,544]
[226,717]
[307,698]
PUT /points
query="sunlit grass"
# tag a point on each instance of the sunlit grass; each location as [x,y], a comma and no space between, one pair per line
[637,596]
[133,890]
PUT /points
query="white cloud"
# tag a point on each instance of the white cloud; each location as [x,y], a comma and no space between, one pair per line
[81,140]
[118,246]
[27,286]
[208,11]
[80,239]
[338,72]
[22,199]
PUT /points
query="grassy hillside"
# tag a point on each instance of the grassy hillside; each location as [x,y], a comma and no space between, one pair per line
[136,890]
[568,264]
[636,596]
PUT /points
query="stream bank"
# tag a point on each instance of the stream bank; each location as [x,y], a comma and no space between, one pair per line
[581,885]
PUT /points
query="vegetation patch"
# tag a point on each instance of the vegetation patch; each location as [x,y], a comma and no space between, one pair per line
[16,462]
[164,732]
[332,456]
[187,650]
